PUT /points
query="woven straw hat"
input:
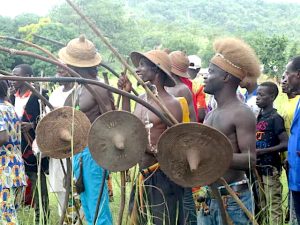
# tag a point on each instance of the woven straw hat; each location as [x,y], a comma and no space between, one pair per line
[158,57]
[117,140]
[54,132]
[80,52]
[192,154]
[180,63]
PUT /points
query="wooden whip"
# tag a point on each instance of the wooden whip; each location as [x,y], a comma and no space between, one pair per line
[31,45]
[123,61]
[123,198]
[34,91]
[57,63]
[238,201]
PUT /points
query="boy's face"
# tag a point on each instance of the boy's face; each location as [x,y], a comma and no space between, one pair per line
[264,97]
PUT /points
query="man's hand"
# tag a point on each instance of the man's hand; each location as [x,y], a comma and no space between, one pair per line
[26,126]
[124,83]
[259,152]
[285,164]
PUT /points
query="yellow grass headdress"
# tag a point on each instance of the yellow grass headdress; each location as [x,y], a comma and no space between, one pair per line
[236,57]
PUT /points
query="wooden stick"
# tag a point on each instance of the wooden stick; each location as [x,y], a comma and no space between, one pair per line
[34,91]
[94,82]
[60,44]
[68,190]
[238,201]
[31,45]
[55,62]
[123,198]
[216,193]
[123,61]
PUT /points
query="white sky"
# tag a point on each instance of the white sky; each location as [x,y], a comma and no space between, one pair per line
[12,8]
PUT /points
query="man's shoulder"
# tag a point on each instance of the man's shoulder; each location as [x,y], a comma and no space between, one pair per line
[242,112]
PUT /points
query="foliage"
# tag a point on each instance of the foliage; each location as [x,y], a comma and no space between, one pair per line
[272,29]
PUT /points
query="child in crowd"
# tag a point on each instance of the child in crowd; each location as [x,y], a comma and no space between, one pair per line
[271,139]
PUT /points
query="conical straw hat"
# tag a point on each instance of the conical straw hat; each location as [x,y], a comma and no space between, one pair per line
[54,132]
[80,52]
[160,59]
[192,154]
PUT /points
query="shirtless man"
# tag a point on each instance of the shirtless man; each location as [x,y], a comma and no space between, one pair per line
[80,54]
[235,120]
[180,65]
[163,195]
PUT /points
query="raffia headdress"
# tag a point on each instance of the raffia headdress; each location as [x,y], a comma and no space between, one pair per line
[236,57]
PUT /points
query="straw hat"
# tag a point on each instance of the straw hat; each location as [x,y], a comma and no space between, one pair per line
[54,132]
[160,59]
[192,154]
[80,52]
[180,63]
[117,140]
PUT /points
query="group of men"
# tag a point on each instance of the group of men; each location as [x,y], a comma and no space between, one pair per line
[255,129]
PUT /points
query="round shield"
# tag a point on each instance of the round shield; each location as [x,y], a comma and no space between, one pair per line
[117,140]
[61,130]
[70,100]
[192,154]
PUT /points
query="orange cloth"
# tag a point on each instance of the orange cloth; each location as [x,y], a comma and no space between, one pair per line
[198,90]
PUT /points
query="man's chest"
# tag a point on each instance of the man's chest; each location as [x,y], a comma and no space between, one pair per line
[221,121]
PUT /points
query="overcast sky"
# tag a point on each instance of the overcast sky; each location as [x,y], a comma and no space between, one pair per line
[15,7]
[41,7]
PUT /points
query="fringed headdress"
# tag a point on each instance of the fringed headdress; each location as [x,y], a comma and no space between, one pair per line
[236,57]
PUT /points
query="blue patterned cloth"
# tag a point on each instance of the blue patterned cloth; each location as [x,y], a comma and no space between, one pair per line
[12,170]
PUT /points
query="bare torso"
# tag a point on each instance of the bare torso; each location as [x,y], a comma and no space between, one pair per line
[88,104]
[159,127]
[226,119]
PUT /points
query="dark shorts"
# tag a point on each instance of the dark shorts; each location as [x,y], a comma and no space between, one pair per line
[162,201]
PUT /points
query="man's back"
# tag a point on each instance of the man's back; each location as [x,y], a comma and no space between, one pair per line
[181,90]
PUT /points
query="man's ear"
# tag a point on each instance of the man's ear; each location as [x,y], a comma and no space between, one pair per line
[226,77]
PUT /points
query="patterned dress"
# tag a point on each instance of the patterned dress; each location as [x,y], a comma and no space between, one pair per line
[12,170]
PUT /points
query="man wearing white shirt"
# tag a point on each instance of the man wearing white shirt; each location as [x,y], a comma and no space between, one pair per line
[56,175]
[250,83]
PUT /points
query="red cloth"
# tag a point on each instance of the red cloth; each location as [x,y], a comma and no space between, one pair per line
[200,98]
[28,193]
[189,84]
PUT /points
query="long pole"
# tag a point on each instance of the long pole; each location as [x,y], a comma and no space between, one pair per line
[60,44]
[123,61]
[33,90]
[94,82]
[238,201]
[30,44]
[99,101]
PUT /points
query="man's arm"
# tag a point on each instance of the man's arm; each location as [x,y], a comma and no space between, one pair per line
[3,130]
[279,130]
[186,93]
[125,85]
[201,114]
[245,124]
[3,137]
